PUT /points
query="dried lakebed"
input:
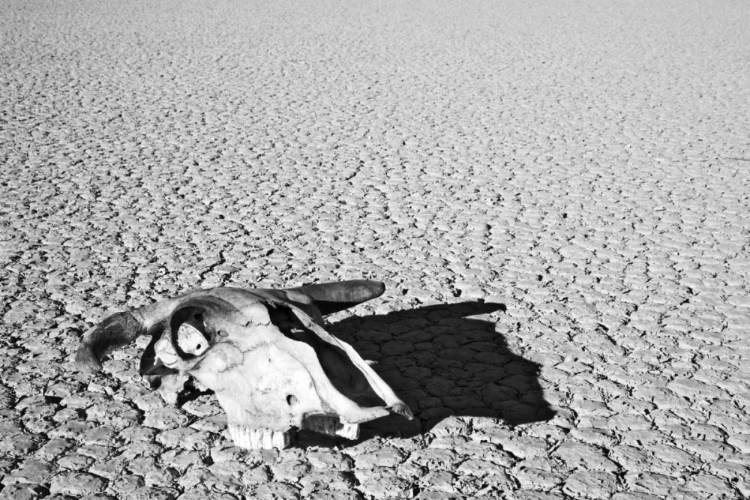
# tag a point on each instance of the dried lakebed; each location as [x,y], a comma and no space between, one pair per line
[555,194]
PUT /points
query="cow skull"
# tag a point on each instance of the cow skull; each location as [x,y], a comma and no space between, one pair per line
[265,355]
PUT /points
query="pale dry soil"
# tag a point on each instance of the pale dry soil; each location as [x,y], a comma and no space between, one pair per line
[555,193]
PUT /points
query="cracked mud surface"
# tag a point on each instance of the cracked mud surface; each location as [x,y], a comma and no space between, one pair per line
[556,196]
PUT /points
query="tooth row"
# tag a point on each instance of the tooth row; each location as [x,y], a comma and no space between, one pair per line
[259,439]
[331,426]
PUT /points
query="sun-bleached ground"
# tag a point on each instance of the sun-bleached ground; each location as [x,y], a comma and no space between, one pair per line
[555,193]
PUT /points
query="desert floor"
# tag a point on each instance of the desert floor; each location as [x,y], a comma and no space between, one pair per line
[555,193]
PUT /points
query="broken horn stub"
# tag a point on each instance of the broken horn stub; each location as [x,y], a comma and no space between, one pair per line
[115,331]
[273,370]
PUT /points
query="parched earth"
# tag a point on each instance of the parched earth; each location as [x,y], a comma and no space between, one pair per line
[555,193]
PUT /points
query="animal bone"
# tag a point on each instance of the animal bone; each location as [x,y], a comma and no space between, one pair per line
[191,340]
[263,352]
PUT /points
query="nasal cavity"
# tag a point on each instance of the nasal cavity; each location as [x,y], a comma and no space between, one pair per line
[291,400]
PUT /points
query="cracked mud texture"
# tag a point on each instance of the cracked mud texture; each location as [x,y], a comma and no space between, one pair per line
[555,193]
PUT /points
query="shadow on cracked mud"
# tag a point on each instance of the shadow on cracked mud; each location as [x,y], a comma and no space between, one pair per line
[442,362]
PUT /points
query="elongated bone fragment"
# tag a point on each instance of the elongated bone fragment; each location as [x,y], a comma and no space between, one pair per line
[264,353]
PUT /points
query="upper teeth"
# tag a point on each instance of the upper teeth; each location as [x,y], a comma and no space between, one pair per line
[259,439]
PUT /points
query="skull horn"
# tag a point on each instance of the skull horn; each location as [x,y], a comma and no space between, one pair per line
[120,329]
[337,296]
[265,353]
[115,331]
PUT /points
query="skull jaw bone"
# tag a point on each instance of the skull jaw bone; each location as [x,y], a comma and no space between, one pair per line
[267,418]
[253,438]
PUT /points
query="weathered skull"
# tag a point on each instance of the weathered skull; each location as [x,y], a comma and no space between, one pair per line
[265,355]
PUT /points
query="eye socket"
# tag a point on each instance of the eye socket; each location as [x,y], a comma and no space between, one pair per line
[190,340]
[291,400]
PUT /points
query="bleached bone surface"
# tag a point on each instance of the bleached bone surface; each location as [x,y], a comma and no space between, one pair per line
[272,366]
[273,369]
